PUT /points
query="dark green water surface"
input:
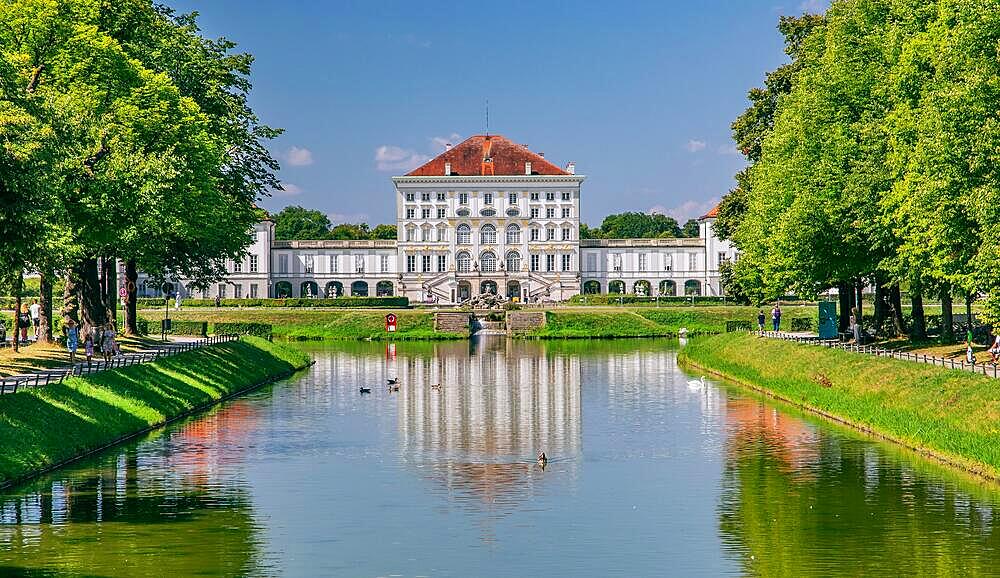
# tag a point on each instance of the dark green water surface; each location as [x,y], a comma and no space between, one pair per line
[652,472]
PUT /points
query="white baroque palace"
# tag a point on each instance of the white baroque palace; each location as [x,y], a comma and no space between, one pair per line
[487,215]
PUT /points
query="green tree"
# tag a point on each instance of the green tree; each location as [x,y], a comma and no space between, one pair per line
[633,225]
[384,232]
[297,223]
[350,232]
[691,229]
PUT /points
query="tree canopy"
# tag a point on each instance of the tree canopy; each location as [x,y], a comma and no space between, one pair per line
[635,225]
[298,223]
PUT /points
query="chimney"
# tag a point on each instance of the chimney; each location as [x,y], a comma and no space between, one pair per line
[571,168]
[447,169]
[447,146]
[527,167]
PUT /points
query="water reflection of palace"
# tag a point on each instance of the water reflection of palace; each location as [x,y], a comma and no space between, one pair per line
[495,410]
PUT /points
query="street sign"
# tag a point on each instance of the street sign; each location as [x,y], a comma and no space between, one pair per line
[390,323]
[123,292]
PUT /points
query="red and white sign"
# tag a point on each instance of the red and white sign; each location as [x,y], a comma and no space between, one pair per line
[123,292]
[390,323]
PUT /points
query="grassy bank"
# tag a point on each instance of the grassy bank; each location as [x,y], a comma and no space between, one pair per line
[950,414]
[649,321]
[318,323]
[43,427]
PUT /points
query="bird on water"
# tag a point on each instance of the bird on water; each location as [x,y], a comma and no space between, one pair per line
[542,459]
[364,389]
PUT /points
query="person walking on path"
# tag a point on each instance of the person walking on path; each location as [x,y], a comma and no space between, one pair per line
[218,301]
[177,301]
[995,349]
[23,322]
[108,343]
[72,339]
[760,320]
[88,344]
[35,310]
[776,318]
[855,325]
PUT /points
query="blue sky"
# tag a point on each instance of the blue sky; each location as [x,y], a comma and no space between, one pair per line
[639,94]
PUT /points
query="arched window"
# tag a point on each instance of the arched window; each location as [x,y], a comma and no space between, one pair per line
[513,261]
[464,262]
[488,262]
[488,235]
[464,234]
[513,234]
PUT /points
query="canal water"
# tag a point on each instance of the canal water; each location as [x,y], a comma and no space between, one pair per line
[651,472]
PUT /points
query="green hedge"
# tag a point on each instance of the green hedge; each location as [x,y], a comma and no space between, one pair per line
[615,299]
[732,326]
[198,328]
[259,329]
[394,302]
[803,324]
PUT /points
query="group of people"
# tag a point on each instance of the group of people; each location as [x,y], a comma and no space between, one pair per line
[775,318]
[28,317]
[102,338]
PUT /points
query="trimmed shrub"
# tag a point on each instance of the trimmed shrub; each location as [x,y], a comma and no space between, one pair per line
[394,302]
[259,329]
[802,324]
[732,326]
[198,328]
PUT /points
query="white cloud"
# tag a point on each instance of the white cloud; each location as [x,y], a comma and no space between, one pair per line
[289,190]
[727,149]
[813,6]
[439,142]
[299,157]
[340,218]
[694,146]
[686,210]
[394,158]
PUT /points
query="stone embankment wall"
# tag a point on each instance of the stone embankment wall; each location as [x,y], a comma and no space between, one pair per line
[451,321]
[521,321]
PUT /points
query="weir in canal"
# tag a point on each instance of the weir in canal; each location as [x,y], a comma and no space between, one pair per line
[651,471]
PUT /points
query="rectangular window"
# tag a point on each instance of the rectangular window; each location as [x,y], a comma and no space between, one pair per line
[566,212]
[441,212]
[441,197]
[550,262]
[723,257]
[410,213]
[222,291]
[534,212]
[550,234]
[667,262]
[565,196]
[237,266]
[565,234]
[411,234]
[692,262]
[253,263]
[237,291]
[359,263]
[642,261]
[253,290]
[409,197]
[425,213]
[550,196]
[282,263]
[426,262]
[488,198]
[383,263]
[333,263]
[425,197]
[534,196]
[308,263]
[565,262]
[550,213]
[534,262]
[511,198]
[616,262]
[442,263]
[411,263]
[534,234]
[591,262]
[463,198]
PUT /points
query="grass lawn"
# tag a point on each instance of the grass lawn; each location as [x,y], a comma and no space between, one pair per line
[952,414]
[46,426]
[316,323]
[35,357]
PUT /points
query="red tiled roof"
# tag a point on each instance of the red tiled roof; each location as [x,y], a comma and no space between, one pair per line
[711,214]
[486,155]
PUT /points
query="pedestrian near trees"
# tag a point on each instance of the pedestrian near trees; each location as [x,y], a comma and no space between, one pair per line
[72,339]
[23,322]
[776,317]
[760,320]
[34,310]
[855,325]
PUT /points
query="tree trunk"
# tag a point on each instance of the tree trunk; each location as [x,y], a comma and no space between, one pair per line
[91,300]
[844,296]
[968,313]
[131,276]
[71,301]
[109,286]
[919,329]
[45,313]
[896,306]
[859,286]
[18,284]
[947,318]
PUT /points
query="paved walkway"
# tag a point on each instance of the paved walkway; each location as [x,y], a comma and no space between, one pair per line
[987,369]
[43,377]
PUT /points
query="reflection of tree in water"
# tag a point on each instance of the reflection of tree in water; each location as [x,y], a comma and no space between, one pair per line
[498,406]
[804,503]
[134,512]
